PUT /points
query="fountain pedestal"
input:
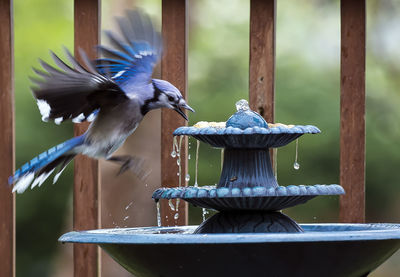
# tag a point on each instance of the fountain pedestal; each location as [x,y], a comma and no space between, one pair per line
[248,222]
[247,195]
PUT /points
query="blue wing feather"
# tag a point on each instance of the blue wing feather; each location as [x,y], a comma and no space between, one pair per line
[133,58]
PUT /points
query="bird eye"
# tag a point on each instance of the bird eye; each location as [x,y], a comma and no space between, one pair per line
[170,98]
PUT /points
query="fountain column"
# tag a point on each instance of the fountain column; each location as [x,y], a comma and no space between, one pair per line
[247,168]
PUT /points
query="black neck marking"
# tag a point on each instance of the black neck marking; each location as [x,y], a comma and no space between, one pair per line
[146,105]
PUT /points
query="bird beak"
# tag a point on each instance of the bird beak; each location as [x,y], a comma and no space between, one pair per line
[179,111]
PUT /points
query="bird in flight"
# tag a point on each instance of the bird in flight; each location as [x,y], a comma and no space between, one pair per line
[113,92]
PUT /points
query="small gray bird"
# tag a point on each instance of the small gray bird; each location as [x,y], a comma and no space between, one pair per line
[115,92]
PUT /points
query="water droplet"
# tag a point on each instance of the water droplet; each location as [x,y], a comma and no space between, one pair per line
[173,154]
[178,162]
[126,217]
[176,216]
[129,205]
[242,105]
[178,174]
[187,177]
[171,205]
[189,157]
[296,165]
[205,212]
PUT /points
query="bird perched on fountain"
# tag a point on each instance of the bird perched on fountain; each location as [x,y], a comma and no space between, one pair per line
[114,92]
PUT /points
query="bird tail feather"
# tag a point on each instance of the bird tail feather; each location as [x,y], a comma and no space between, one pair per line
[37,170]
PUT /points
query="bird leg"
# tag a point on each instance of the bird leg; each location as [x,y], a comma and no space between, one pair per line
[133,163]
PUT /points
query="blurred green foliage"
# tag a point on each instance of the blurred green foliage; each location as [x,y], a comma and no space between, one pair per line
[307,92]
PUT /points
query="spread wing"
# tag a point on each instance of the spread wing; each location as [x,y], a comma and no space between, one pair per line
[73,92]
[80,90]
[131,61]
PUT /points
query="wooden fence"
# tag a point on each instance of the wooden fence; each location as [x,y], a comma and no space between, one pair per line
[174,69]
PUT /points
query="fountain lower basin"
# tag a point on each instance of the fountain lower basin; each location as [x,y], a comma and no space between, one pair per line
[321,250]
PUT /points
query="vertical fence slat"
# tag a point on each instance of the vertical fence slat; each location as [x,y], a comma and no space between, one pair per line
[262,57]
[86,175]
[7,199]
[352,111]
[174,70]
[262,60]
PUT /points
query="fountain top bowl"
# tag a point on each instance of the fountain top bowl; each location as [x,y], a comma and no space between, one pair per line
[251,137]
[245,129]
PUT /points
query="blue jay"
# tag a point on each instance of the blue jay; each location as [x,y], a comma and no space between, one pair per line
[113,92]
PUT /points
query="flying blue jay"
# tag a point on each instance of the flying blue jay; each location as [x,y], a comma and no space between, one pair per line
[114,92]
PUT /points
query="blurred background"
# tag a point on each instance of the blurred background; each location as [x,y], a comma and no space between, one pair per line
[307,92]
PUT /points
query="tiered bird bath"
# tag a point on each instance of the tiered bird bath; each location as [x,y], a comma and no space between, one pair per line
[250,236]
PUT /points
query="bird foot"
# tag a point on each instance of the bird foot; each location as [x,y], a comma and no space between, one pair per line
[132,163]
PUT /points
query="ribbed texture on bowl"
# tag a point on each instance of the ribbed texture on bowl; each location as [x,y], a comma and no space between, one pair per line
[255,137]
[255,198]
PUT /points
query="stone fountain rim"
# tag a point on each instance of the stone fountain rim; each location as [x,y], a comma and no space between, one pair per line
[191,192]
[152,235]
[296,129]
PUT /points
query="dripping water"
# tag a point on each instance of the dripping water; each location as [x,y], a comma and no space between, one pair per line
[296,165]
[178,162]
[275,161]
[205,212]
[178,200]
[171,205]
[180,172]
[174,144]
[158,214]
[196,163]
[130,204]
[222,158]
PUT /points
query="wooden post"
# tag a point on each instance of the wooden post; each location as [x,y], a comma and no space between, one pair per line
[174,70]
[262,57]
[7,146]
[352,111]
[262,60]
[86,178]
